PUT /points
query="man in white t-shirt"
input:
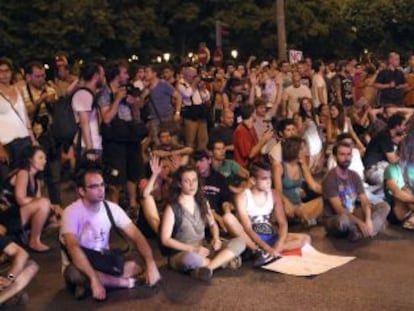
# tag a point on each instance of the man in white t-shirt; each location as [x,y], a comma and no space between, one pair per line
[86,224]
[86,114]
[319,89]
[292,94]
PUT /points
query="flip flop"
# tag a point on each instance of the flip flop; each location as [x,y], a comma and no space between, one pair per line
[409,224]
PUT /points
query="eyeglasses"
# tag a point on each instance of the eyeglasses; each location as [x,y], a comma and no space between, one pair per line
[95,186]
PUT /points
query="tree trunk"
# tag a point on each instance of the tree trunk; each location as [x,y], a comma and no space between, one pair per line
[281,29]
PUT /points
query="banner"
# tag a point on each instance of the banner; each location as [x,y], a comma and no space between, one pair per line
[306,261]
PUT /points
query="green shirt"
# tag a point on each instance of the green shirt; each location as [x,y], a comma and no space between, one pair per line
[394,172]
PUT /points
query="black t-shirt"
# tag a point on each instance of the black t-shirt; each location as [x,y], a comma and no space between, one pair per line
[377,148]
[217,191]
[346,84]
[4,242]
[391,95]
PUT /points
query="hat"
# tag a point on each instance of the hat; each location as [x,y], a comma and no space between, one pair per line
[201,154]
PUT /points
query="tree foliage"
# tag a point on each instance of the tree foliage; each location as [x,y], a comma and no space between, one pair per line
[118,28]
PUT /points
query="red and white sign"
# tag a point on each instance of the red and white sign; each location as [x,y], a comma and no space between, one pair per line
[295,56]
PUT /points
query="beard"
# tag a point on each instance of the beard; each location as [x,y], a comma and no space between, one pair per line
[344,165]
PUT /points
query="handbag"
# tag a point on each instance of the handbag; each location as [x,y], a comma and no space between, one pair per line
[106,261]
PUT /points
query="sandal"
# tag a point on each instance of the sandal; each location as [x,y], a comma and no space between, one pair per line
[409,224]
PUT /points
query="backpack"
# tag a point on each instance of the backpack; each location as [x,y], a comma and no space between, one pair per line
[65,127]
[178,214]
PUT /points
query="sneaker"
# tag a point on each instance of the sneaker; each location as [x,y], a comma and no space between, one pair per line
[203,274]
[263,259]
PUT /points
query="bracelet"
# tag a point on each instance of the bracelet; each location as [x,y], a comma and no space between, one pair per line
[11,277]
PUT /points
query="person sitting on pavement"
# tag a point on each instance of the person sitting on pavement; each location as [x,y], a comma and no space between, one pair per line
[183,230]
[256,208]
[27,205]
[290,175]
[347,210]
[86,225]
[399,183]
[382,150]
[19,274]
[230,169]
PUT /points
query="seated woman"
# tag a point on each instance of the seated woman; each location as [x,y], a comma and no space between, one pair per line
[183,230]
[359,114]
[22,189]
[399,183]
[312,136]
[340,123]
[289,177]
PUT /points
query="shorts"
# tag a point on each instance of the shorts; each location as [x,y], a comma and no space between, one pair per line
[270,239]
[121,162]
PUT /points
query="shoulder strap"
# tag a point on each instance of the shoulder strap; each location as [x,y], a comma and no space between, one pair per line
[178,215]
[111,219]
[14,109]
[157,114]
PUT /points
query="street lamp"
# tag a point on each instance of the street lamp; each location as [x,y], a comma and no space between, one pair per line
[234,54]
[166,56]
[46,66]
[159,59]
[190,55]
[134,57]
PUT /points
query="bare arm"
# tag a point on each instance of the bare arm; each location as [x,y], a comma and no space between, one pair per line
[247,225]
[280,217]
[307,175]
[85,129]
[19,258]
[399,194]
[22,180]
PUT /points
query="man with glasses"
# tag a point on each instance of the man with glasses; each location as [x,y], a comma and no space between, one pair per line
[86,225]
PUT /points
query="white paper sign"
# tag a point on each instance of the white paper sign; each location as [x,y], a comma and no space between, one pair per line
[295,56]
[309,262]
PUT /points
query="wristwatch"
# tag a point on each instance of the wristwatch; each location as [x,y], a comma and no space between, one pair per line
[11,277]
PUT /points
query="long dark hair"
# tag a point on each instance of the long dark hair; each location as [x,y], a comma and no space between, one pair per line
[339,121]
[407,154]
[304,113]
[199,196]
[27,155]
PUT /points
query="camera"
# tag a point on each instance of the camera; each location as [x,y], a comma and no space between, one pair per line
[132,90]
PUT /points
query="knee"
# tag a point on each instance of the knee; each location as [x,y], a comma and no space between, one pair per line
[306,239]
[383,207]
[236,246]
[191,261]
[342,222]
[44,203]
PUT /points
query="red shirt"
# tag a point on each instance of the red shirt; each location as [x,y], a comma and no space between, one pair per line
[244,139]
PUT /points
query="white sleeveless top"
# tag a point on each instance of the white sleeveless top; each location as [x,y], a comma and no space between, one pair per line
[260,216]
[11,125]
[253,210]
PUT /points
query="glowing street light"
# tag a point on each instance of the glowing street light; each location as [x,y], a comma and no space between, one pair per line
[46,66]
[234,54]
[134,57]
[190,55]
[166,56]
[365,51]
[159,59]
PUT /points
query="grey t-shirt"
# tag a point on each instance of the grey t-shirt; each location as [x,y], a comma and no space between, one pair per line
[192,229]
[347,190]
[105,98]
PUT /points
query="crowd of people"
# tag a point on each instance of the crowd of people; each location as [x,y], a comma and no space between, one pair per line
[162,152]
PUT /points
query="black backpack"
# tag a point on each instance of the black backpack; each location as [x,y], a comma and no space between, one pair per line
[64,127]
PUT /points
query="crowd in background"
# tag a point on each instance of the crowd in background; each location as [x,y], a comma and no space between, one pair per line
[165,135]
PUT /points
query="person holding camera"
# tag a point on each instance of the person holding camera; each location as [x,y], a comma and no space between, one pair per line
[120,135]
[195,108]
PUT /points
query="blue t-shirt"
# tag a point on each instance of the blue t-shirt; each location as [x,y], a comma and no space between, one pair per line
[161,96]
